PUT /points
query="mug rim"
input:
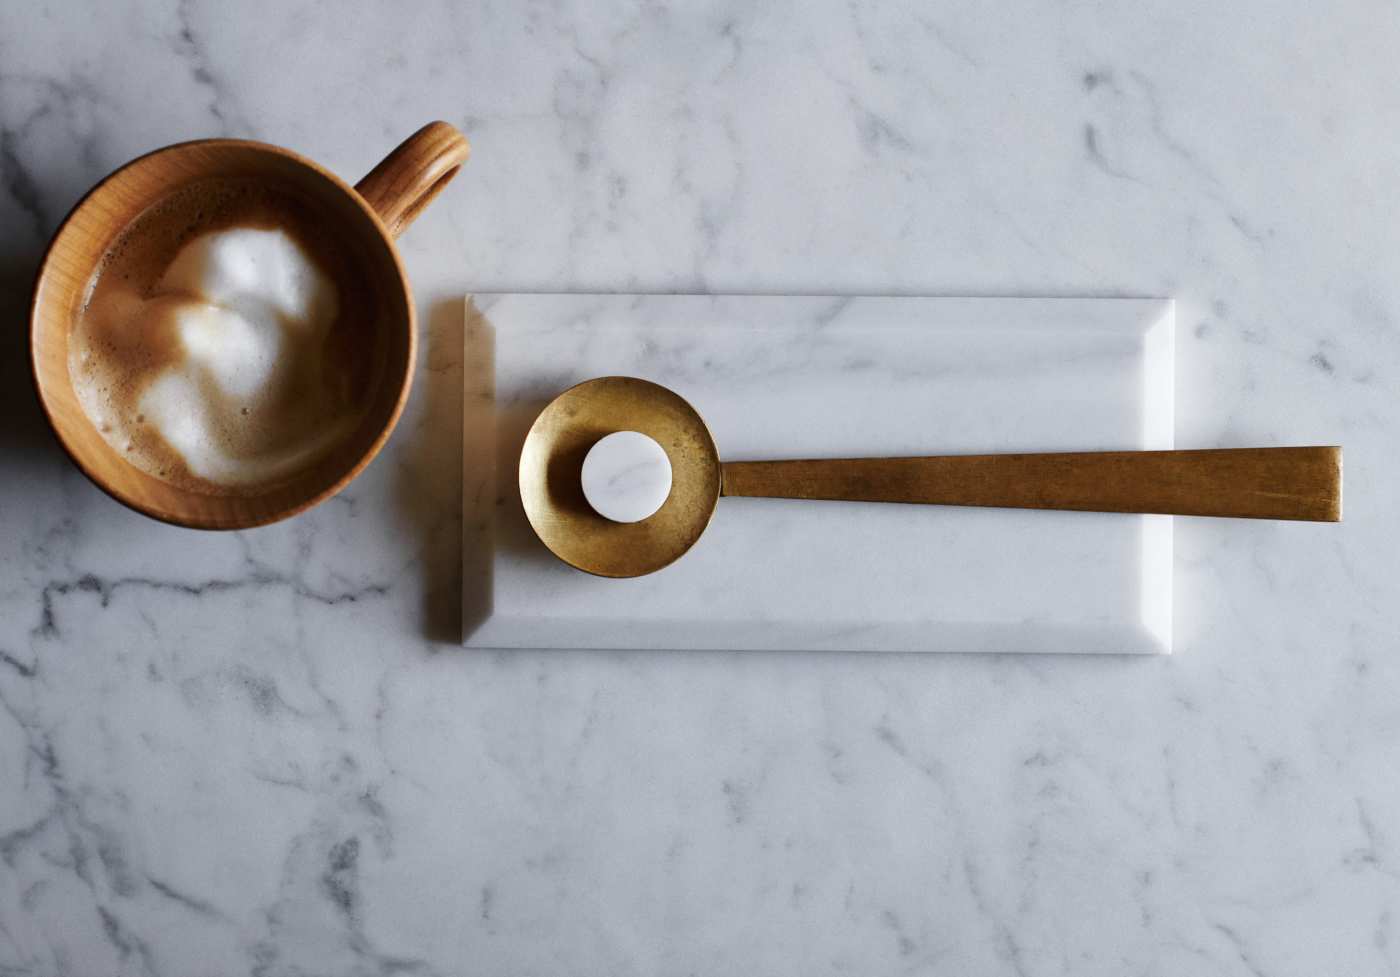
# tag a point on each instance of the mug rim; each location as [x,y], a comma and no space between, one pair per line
[371,451]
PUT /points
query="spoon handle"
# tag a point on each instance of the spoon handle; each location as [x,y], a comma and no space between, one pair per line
[1253,483]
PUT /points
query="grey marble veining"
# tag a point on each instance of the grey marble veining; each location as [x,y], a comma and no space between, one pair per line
[264,753]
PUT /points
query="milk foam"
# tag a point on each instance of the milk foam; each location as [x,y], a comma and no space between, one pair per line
[232,376]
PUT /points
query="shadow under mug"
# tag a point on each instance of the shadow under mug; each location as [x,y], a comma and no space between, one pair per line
[369,216]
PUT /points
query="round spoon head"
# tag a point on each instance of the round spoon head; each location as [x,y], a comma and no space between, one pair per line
[551,465]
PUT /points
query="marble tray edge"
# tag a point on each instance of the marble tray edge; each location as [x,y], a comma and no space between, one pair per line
[516,634]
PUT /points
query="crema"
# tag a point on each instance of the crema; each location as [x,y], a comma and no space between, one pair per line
[218,347]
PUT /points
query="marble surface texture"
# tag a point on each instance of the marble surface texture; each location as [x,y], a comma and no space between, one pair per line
[782,377]
[264,753]
[625,477]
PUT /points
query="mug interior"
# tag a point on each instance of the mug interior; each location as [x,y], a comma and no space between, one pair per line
[93,227]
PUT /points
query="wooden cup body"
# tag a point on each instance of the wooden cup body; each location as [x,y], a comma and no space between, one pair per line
[93,226]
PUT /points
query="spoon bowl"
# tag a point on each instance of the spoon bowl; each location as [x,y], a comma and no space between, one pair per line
[551,463]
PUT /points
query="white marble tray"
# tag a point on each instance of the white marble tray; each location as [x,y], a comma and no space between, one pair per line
[787,377]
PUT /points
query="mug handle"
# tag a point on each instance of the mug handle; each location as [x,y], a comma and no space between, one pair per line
[410,177]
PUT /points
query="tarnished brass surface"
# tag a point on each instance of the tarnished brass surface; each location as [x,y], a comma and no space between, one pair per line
[1252,483]
[1257,483]
[552,459]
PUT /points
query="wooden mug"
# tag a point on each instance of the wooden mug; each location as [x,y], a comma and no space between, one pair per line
[372,214]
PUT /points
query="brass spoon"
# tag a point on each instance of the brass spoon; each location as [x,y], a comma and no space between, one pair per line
[1255,483]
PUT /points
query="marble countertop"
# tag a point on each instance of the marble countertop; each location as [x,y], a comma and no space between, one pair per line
[264,752]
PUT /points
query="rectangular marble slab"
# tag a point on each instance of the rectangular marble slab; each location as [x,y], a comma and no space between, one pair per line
[802,377]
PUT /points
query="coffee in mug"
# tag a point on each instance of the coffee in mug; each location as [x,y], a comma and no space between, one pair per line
[222,342]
